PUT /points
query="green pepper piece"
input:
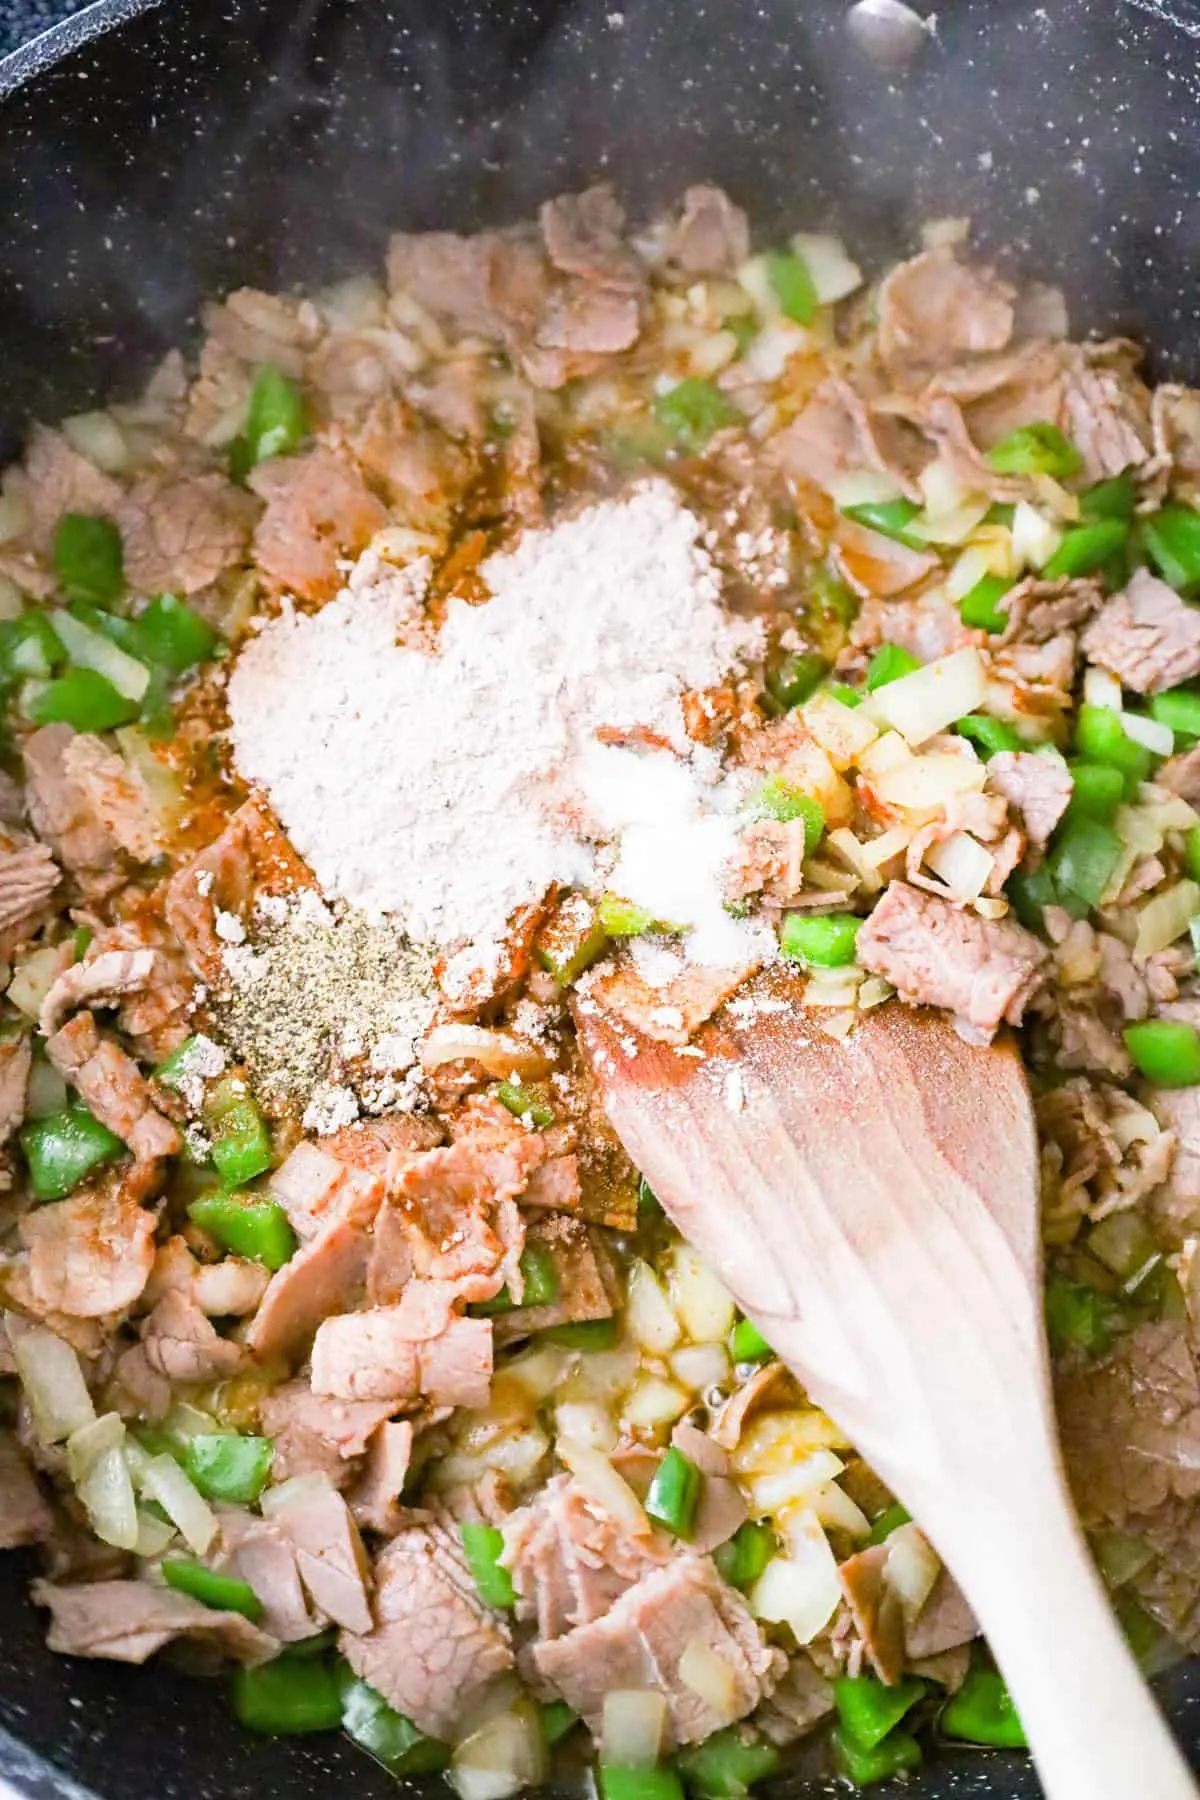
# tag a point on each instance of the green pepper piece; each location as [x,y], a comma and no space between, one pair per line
[868,1710]
[744,1556]
[824,942]
[241,1145]
[675,1493]
[276,420]
[524,1105]
[387,1735]
[172,635]
[1172,540]
[1031,891]
[1191,852]
[1100,737]
[62,1147]
[225,1465]
[89,558]
[890,518]
[888,664]
[727,1764]
[747,1343]
[79,698]
[648,1202]
[572,941]
[583,1334]
[557,1720]
[898,1754]
[988,735]
[1084,858]
[981,609]
[1085,548]
[622,918]
[776,798]
[1036,449]
[1097,791]
[248,1225]
[847,695]
[482,1546]
[1178,708]
[1112,499]
[639,1781]
[286,1697]
[982,1712]
[887,1522]
[1165,1051]
[694,410]
[792,681]
[541,1285]
[792,285]
[224,1593]
[1080,1317]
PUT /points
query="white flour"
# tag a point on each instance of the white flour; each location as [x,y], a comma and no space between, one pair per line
[444,789]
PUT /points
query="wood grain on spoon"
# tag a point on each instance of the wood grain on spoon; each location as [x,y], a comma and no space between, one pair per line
[872,1204]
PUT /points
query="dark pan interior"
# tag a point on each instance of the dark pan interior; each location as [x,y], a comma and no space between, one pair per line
[153,154]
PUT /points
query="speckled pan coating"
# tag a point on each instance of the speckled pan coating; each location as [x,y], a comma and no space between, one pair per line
[198,144]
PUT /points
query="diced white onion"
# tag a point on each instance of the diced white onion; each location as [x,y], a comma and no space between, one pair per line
[768,1493]
[159,785]
[100,1477]
[1100,688]
[927,701]
[538,1371]
[90,1442]
[90,649]
[864,487]
[97,436]
[14,517]
[714,351]
[710,1678]
[600,1481]
[163,1480]
[702,1304]
[153,1534]
[1159,739]
[700,1366]
[1164,918]
[600,1374]
[52,1377]
[47,1092]
[927,783]
[875,990]
[962,863]
[633,1726]
[1035,538]
[649,1316]
[502,1758]
[911,1569]
[832,987]
[12,601]
[889,751]
[831,270]
[851,850]
[586,1422]
[36,975]
[800,1590]
[499,1052]
[989,557]
[653,1402]
[881,850]
[774,1440]
[952,526]
[843,732]
[295,1494]
[836,1510]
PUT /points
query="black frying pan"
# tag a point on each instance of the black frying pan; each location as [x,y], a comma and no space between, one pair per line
[151,154]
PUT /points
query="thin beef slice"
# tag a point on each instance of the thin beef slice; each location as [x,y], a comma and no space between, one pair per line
[1146,635]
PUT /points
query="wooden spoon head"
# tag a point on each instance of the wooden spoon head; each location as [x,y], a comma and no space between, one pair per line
[871,1201]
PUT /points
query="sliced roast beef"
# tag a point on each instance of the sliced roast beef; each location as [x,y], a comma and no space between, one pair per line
[1038,788]
[112,1086]
[588,1287]
[799,1703]
[1146,635]
[1131,1425]
[314,1434]
[436,1649]
[25,1516]
[1182,774]
[28,878]
[934,311]
[375,1497]
[569,1560]
[230,1288]
[982,970]
[251,857]
[642,1639]
[63,815]
[330,1559]
[90,1254]
[116,792]
[720,1509]
[584,236]
[945,1622]
[263,1556]
[318,511]
[181,532]
[314,1186]
[127,1621]
[875,1609]
[322,1278]
[181,1344]
[100,981]
[711,235]
[16,1060]
[155,1016]
[398,1352]
[837,435]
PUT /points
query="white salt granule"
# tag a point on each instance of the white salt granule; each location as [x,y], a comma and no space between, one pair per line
[440,787]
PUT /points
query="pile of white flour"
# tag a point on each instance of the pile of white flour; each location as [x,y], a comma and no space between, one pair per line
[445,787]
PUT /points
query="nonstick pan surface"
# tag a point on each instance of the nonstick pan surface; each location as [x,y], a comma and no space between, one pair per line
[153,154]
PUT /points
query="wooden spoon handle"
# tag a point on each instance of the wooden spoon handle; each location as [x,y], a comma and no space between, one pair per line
[1092,1723]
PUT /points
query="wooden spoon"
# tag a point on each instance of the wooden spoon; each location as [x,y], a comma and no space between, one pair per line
[872,1204]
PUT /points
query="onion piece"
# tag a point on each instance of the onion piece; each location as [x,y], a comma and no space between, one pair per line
[808,1474]
[90,649]
[649,1316]
[837,1511]
[159,785]
[962,863]
[653,1402]
[863,487]
[911,1569]
[710,1677]
[1100,688]
[702,1303]
[36,975]
[47,1091]
[163,1480]
[1035,538]
[499,1052]
[153,1535]
[831,269]
[100,1477]
[97,436]
[601,1483]
[633,1726]
[930,699]
[1159,739]
[1164,918]
[52,1377]
[773,1440]
[928,782]
[842,732]
[503,1757]
[801,1589]
[700,1366]
[586,1422]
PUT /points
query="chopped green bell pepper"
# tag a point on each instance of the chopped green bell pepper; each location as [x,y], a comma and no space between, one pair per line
[888,664]
[89,558]
[225,1593]
[1037,449]
[822,942]
[61,1148]
[742,1558]
[982,1712]
[387,1735]
[727,1764]
[225,1465]
[792,286]
[248,1225]
[79,698]
[524,1105]
[287,1697]
[890,518]
[1165,1051]
[482,1546]
[694,410]
[675,1493]
[1086,548]
[869,1711]
[241,1145]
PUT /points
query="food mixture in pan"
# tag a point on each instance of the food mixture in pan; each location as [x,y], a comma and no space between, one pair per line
[585,613]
